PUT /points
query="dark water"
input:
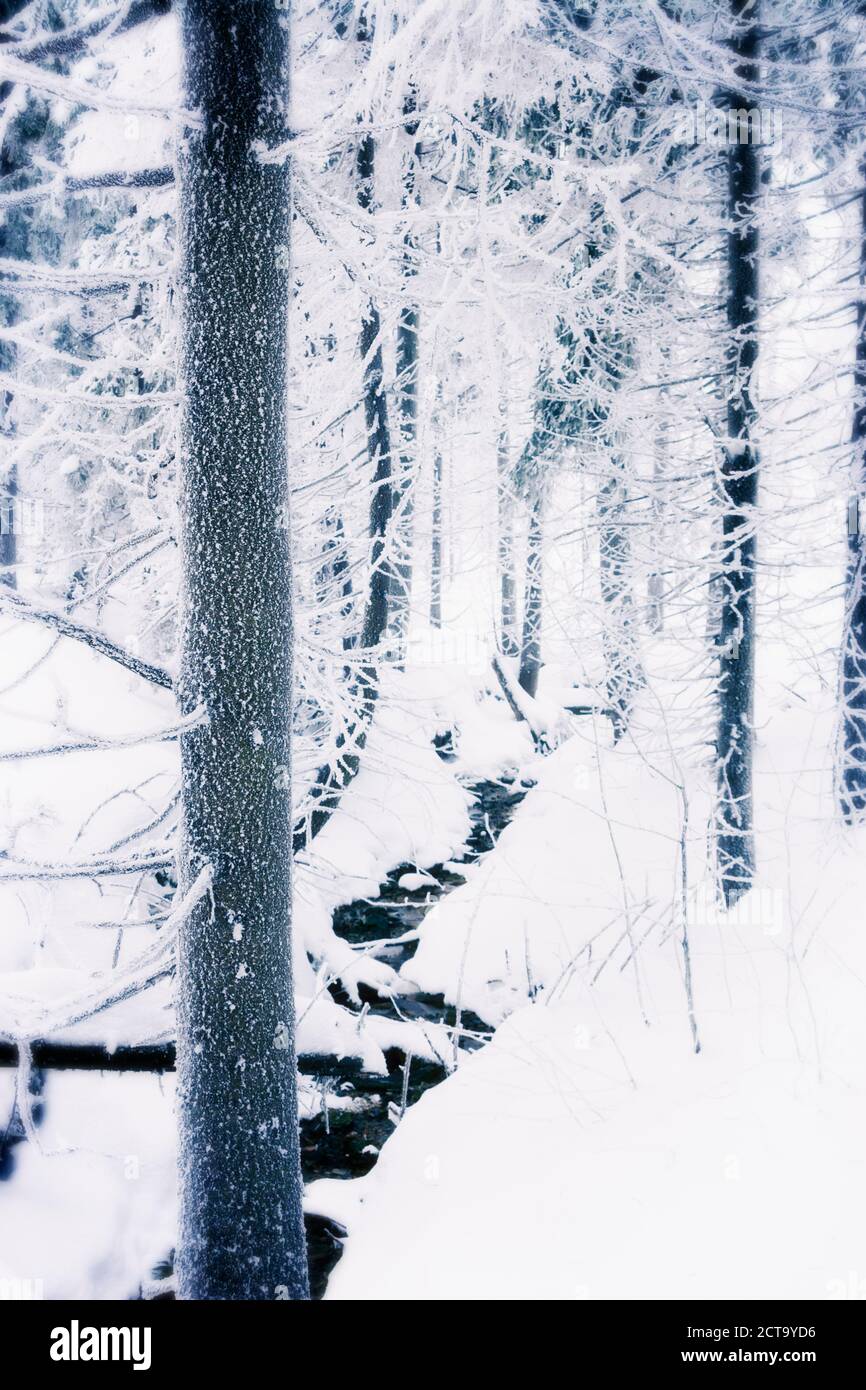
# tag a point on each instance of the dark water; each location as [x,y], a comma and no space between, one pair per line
[345,1143]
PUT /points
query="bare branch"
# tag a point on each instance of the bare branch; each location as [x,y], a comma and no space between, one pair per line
[157,675]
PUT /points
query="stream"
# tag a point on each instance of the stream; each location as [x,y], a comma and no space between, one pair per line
[345,1143]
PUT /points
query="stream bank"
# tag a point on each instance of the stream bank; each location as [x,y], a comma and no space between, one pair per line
[343,1142]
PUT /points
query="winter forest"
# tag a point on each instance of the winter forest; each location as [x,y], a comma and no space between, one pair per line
[432,649]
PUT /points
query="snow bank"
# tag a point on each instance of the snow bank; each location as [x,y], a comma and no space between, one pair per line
[589,1151]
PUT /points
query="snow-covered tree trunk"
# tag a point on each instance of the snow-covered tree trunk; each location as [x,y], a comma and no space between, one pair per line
[739,484]
[335,775]
[505,544]
[530,649]
[852,780]
[407,355]
[378,434]
[12,231]
[241,1229]
[436,515]
[624,674]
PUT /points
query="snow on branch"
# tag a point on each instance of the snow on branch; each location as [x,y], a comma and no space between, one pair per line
[74,41]
[26,1019]
[18,608]
[93,744]
[25,274]
[29,871]
[53,84]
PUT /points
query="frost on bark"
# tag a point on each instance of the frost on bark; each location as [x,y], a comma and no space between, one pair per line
[387,592]
[334,776]
[735,850]
[16,234]
[407,354]
[505,542]
[530,647]
[852,780]
[241,1229]
[624,672]
[436,517]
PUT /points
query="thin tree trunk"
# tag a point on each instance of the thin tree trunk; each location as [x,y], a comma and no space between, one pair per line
[343,577]
[619,638]
[8,522]
[530,651]
[655,581]
[408,328]
[382,580]
[334,776]
[10,163]
[739,481]
[505,545]
[241,1227]
[436,519]
[852,781]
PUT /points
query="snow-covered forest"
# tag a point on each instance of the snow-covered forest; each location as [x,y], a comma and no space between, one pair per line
[432,649]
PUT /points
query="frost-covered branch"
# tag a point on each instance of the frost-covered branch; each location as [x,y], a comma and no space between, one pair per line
[91,637]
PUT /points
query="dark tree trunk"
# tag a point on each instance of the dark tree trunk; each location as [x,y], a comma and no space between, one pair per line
[408,327]
[333,777]
[334,580]
[8,522]
[739,483]
[530,651]
[852,788]
[655,581]
[436,521]
[382,580]
[624,674]
[241,1229]
[12,158]
[505,549]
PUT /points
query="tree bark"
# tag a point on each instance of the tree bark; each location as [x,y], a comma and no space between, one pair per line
[735,849]
[334,776]
[241,1227]
[408,328]
[852,780]
[378,433]
[436,517]
[505,544]
[619,637]
[530,651]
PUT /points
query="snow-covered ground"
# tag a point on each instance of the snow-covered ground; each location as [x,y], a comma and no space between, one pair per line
[589,1151]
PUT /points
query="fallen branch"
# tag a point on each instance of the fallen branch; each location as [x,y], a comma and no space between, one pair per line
[519,704]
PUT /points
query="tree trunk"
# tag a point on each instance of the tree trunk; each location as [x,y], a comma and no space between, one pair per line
[378,434]
[619,637]
[657,539]
[408,327]
[530,653]
[241,1228]
[10,163]
[436,518]
[739,482]
[852,780]
[505,546]
[334,776]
